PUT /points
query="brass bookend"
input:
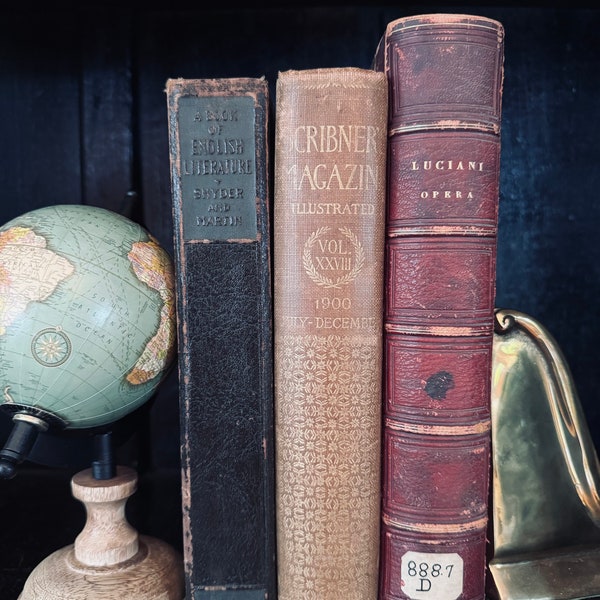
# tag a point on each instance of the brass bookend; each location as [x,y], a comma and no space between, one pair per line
[545,483]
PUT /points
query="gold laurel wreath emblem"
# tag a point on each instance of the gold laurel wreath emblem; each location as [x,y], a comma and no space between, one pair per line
[313,273]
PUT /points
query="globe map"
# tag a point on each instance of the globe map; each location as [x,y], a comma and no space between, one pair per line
[87,314]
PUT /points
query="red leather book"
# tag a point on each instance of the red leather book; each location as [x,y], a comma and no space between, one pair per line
[445,74]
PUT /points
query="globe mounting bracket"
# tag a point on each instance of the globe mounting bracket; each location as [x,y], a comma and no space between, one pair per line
[27,423]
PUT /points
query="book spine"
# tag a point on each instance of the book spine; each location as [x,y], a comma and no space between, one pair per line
[218,141]
[329,208]
[445,76]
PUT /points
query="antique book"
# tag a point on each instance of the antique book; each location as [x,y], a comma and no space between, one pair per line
[218,144]
[328,233]
[445,75]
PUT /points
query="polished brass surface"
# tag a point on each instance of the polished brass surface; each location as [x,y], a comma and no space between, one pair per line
[545,504]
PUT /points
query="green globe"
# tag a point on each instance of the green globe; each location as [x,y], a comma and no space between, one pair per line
[87,316]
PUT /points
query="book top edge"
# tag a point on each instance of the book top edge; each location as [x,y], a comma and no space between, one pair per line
[217,84]
[442,20]
[327,71]
[333,75]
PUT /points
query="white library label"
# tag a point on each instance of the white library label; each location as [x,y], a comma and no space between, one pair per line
[431,576]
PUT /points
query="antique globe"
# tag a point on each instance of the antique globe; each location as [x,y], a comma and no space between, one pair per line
[87,321]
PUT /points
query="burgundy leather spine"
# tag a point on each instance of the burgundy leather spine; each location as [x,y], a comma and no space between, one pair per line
[445,75]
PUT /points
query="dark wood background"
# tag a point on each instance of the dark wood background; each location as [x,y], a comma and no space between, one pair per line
[83,120]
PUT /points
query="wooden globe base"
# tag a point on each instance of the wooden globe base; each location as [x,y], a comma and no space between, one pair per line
[108,559]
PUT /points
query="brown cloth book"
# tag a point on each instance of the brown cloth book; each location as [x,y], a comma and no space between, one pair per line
[329,196]
[445,74]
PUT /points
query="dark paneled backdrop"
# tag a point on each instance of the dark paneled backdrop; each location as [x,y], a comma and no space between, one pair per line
[83,120]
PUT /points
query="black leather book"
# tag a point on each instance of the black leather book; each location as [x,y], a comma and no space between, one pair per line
[218,141]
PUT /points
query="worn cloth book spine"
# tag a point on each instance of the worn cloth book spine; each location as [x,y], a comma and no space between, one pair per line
[445,75]
[218,142]
[329,207]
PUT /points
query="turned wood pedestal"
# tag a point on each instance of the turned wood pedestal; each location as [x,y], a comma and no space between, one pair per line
[108,559]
